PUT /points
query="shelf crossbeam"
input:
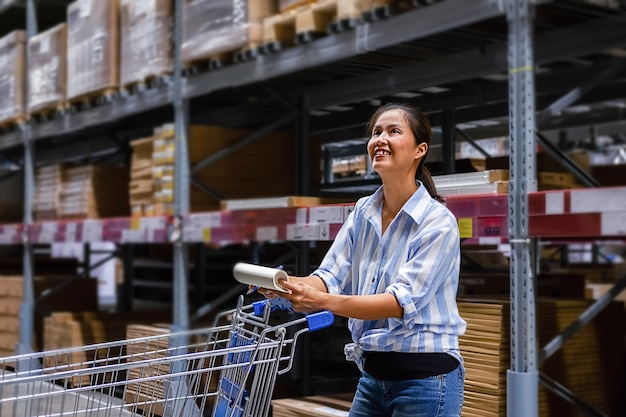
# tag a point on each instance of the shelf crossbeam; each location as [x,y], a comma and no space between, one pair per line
[523,376]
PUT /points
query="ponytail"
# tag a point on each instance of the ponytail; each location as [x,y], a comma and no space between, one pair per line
[423,174]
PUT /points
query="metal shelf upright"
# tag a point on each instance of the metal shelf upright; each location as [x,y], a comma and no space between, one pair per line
[523,376]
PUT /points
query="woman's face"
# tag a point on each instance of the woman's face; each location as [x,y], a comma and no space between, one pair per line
[392,147]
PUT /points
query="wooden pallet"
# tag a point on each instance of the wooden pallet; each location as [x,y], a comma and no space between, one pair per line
[50,111]
[13,123]
[310,21]
[94,98]
[146,83]
[217,61]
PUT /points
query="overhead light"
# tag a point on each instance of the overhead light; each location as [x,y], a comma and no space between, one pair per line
[407,94]
[337,108]
[434,90]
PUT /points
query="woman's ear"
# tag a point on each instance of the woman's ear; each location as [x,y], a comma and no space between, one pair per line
[421,150]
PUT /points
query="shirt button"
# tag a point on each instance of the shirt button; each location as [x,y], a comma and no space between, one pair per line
[373,279]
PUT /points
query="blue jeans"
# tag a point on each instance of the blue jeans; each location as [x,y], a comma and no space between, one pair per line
[436,396]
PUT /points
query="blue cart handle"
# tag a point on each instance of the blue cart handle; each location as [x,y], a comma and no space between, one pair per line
[315,321]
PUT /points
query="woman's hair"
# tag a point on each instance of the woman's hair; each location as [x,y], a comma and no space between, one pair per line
[420,126]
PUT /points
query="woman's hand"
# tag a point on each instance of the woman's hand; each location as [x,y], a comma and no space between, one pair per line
[304,297]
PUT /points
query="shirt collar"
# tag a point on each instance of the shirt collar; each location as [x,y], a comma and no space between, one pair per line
[415,207]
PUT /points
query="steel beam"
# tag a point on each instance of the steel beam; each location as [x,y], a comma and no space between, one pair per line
[415,24]
[568,396]
[181,181]
[553,46]
[27,307]
[523,376]
[593,310]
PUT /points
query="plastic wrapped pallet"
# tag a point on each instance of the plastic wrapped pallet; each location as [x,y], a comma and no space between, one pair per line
[47,72]
[12,80]
[146,47]
[212,27]
[93,48]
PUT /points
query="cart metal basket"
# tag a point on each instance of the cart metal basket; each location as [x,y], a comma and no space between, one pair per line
[226,370]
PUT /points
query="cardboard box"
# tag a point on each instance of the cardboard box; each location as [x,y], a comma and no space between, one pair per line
[146,46]
[12,77]
[93,48]
[47,72]
[212,27]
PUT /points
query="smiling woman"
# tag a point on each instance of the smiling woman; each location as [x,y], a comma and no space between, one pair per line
[393,269]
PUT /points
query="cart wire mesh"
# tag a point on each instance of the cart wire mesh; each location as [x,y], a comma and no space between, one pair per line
[228,369]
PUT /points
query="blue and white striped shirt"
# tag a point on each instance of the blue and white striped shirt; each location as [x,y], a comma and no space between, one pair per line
[417,260]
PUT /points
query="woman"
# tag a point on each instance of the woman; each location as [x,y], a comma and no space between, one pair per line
[393,269]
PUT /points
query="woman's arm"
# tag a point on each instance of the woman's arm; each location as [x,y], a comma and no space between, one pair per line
[309,295]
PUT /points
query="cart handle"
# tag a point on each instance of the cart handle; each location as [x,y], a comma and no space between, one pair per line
[315,321]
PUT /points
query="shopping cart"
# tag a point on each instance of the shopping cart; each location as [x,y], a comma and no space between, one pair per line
[228,369]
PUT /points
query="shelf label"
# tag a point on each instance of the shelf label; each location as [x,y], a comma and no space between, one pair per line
[465,227]
[302,232]
[92,231]
[150,225]
[489,240]
[324,231]
[597,201]
[70,232]
[326,214]
[206,234]
[205,220]
[301,215]
[8,234]
[613,224]
[47,233]
[555,203]
[267,234]
[133,236]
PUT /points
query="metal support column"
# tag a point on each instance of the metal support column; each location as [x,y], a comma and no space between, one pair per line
[448,148]
[27,309]
[523,377]
[181,184]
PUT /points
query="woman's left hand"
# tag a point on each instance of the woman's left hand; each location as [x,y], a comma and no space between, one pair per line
[303,297]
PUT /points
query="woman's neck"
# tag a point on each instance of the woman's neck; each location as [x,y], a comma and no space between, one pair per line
[396,194]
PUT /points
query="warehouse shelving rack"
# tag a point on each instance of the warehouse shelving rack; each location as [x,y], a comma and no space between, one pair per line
[484,57]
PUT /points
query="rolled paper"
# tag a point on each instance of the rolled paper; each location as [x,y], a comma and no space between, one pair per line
[260,276]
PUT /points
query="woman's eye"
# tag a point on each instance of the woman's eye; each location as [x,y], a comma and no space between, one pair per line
[396,131]
[376,133]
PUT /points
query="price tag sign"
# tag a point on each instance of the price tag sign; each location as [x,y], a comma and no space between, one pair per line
[92,231]
[70,232]
[47,233]
[302,232]
[267,234]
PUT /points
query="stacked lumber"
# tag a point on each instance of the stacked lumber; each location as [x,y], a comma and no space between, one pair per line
[485,350]
[149,395]
[82,294]
[48,187]
[94,192]
[314,406]
[74,329]
[141,186]
[590,364]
